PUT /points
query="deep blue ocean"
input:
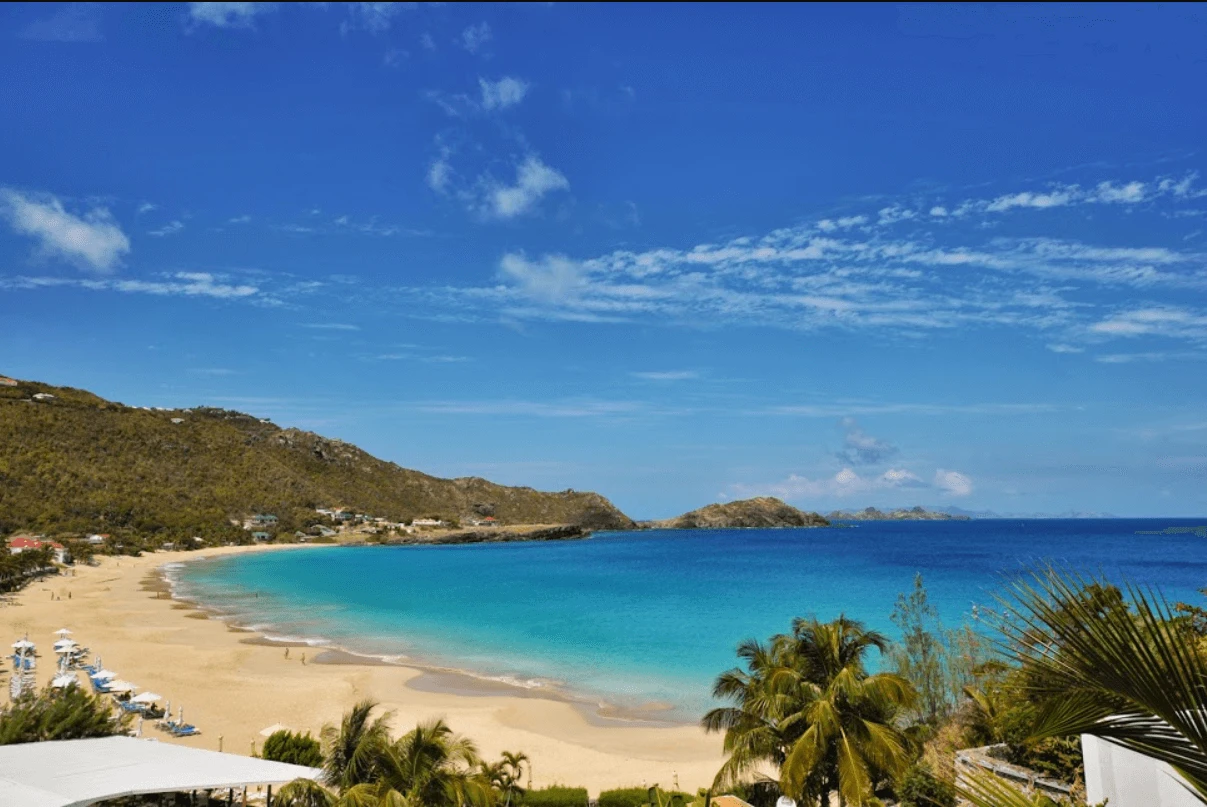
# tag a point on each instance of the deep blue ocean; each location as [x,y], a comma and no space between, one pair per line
[642,617]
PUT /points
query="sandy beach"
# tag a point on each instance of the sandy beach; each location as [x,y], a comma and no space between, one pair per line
[233,684]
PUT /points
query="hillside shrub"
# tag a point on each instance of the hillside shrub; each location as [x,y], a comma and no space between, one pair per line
[919,787]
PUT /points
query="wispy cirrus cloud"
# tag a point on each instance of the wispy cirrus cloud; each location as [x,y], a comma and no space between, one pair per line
[92,240]
[171,228]
[174,284]
[861,271]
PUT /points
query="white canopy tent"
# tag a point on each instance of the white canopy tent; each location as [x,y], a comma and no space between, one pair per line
[75,773]
[146,697]
[62,632]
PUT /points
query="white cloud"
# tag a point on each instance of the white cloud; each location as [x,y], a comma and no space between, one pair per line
[901,478]
[244,219]
[147,207]
[666,375]
[505,92]
[475,36]
[171,228]
[93,240]
[938,211]
[534,179]
[1109,192]
[186,284]
[1056,198]
[1060,347]
[562,409]
[228,15]
[554,278]
[331,326]
[427,42]
[953,482]
[439,174]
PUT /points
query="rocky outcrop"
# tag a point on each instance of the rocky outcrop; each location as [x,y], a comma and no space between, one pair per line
[763,512]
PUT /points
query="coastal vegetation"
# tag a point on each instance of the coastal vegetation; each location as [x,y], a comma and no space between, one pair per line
[70,713]
[17,569]
[1073,655]
[917,513]
[72,462]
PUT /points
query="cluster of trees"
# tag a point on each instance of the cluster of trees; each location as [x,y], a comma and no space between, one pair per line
[70,713]
[17,570]
[429,766]
[1072,656]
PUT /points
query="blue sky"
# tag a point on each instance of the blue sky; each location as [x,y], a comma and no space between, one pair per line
[846,255]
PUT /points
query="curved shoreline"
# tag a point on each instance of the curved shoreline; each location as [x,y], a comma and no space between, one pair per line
[232,689]
[434,678]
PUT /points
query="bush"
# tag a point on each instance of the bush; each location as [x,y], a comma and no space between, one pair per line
[637,796]
[58,714]
[921,788]
[296,749]
[555,796]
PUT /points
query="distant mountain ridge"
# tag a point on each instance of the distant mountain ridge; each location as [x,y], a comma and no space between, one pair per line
[761,512]
[71,461]
[918,513]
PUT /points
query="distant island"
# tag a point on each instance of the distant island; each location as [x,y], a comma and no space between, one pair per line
[762,512]
[900,514]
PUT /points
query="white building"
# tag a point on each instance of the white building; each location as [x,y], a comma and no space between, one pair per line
[426,522]
[1130,779]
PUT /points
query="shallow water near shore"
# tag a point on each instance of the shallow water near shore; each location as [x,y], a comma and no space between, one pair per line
[644,621]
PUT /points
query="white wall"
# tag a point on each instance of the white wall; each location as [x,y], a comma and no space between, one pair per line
[1130,779]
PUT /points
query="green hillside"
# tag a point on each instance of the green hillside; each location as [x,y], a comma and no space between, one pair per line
[78,463]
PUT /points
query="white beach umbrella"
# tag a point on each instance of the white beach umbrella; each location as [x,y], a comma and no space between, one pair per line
[64,680]
[65,643]
[146,697]
[121,686]
[105,675]
[273,729]
[24,644]
[62,632]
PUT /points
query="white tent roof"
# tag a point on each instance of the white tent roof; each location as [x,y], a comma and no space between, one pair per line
[73,773]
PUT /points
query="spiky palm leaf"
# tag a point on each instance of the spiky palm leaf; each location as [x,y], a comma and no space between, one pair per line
[303,793]
[983,789]
[1129,675]
[354,750]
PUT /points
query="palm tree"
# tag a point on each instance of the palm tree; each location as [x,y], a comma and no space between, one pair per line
[354,750]
[806,705]
[303,793]
[430,766]
[1127,671]
[505,775]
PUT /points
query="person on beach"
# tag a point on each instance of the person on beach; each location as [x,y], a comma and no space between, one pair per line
[303,659]
[287,652]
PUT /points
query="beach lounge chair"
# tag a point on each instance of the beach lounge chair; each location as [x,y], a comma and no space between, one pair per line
[185,731]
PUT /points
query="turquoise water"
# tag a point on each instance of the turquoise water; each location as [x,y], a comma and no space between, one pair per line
[635,618]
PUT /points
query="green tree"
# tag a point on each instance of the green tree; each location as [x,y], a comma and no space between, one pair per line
[807,706]
[921,655]
[353,750]
[296,749]
[69,713]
